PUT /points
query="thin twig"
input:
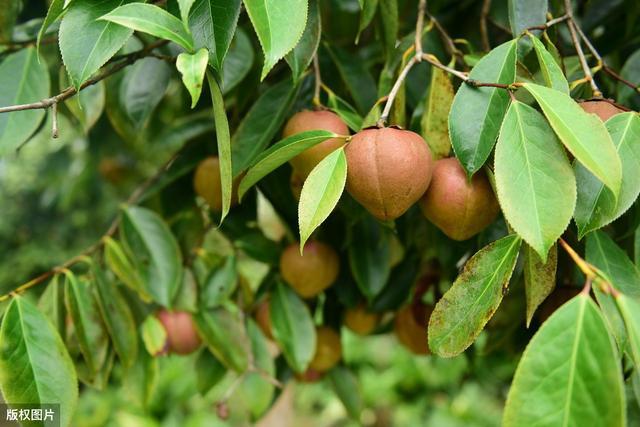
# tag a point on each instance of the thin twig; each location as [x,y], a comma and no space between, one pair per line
[549,23]
[484,32]
[450,45]
[431,59]
[318,81]
[422,7]
[394,91]
[584,266]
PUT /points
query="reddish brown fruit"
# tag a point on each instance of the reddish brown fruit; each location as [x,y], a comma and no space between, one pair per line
[388,170]
[263,318]
[315,120]
[360,321]
[328,350]
[602,109]
[309,376]
[182,335]
[206,182]
[311,273]
[459,208]
[410,327]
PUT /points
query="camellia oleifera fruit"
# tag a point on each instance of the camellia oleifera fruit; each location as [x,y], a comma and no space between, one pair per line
[457,206]
[360,320]
[410,326]
[310,273]
[206,182]
[182,335]
[603,109]
[263,318]
[315,120]
[328,350]
[388,170]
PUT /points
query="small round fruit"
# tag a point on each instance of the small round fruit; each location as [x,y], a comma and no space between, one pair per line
[310,273]
[602,109]
[206,182]
[388,170]
[461,209]
[182,336]
[315,120]
[263,318]
[328,350]
[359,320]
[410,327]
[309,376]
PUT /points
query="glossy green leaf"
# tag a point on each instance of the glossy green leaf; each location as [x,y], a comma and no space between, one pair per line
[185,7]
[100,40]
[370,256]
[321,192]
[35,366]
[464,310]
[56,8]
[390,24]
[51,304]
[631,72]
[153,20]
[8,16]
[210,371]
[356,76]
[23,79]
[476,113]
[256,391]
[583,134]
[345,385]
[569,374]
[238,61]
[346,112]
[279,25]
[117,317]
[89,329]
[630,311]
[551,71]
[596,206]
[539,278]
[225,335]
[279,153]
[524,14]
[292,327]
[163,273]
[301,56]
[223,138]
[220,284]
[435,118]
[192,68]
[261,123]
[213,23]
[368,11]
[88,105]
[534,180]
[154,336]
[120,264]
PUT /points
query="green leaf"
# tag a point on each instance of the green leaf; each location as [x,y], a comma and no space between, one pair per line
[551,71]
[464,310]
[370,256]
[321,192]
[51,304]
[476,113]
[8,16]
[630,311]
[223,138]
[346,112]
[583,134]
[213,23]
[120,264]
[279,25]
[88,105]
[279,153]
[345,385]
[185,7]
[117,317]
[435,118]
[631,72]
[292,327]
[163,274]
[56,8]
[87,323]
[22,80]
[35,366]
[534,180]
[596,206]
[225,335]
[192,69]
[569,374]
[539,278]
[368,11]
[100,40]
[356,76]
[390,24]
[302,55]
[154,336]
[238,61]
[153,20]
[261,124]
[524,14]
[220,284]
[210,371]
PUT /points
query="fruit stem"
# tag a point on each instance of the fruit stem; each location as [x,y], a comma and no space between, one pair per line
[318,81]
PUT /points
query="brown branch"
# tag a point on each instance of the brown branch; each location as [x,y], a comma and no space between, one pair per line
[69,92]
[394,91]
[484,32]
[318,81]
[422,7]
[548,24]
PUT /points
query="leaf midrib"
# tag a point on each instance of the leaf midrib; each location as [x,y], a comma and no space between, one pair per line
[572,366]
